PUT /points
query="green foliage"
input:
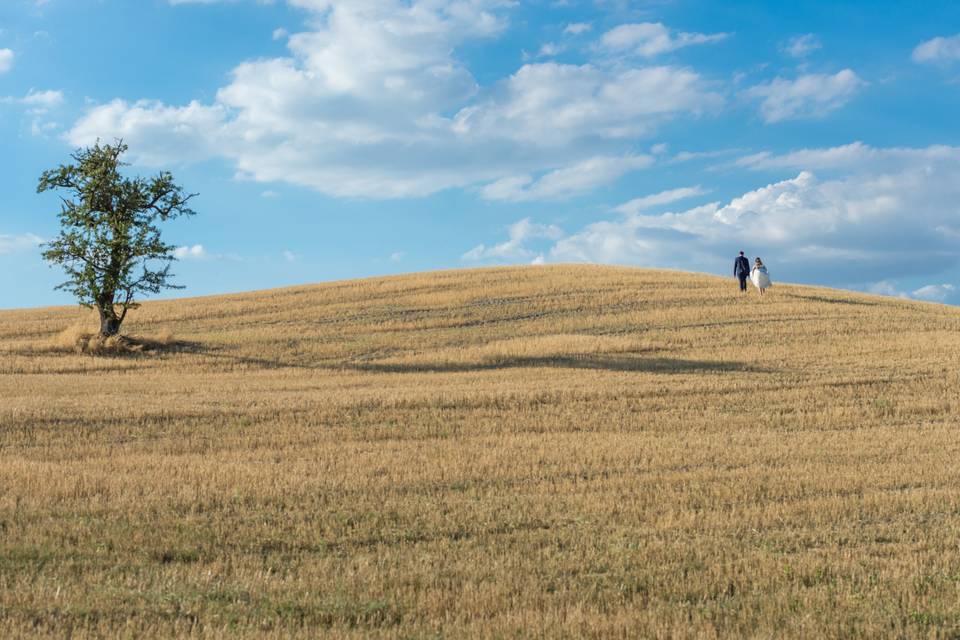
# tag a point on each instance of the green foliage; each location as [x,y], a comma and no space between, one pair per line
[109,244]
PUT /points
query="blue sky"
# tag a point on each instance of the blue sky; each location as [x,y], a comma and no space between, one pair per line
[334,139]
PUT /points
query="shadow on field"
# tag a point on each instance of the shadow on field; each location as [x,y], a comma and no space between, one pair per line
[856,303]
[596,363]
[263,363]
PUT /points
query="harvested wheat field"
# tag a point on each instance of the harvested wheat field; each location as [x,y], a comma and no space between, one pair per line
[565,451]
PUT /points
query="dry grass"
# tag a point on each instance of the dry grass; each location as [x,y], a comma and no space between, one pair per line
[81,339]
[542,452]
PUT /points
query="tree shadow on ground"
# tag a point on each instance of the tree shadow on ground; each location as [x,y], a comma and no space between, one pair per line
[122,354]
[120,347]
[595,363]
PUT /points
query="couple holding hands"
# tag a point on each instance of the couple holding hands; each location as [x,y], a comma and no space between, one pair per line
[758,274]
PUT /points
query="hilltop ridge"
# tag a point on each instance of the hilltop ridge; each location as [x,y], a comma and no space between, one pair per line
[539,301]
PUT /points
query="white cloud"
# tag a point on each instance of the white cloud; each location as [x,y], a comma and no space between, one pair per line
[289,256]
[577,28]
[852,157]
[566,182]
[648,39]
[693,156]
[36,102]
[938,50]
[38,105]
[397,256]
[801,46]
[550,49]
[269,194]
[809,96]
[515,249]
[195,252]
[157,133]
[555,105]
[280,33]
[373,102]
[40,102]
[643,203]
[935,292]
[930,293]
[6,60]
[16,243]
[41,128]
[885,215]
[886,288]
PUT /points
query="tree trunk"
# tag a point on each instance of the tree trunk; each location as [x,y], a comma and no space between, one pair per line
[109,322]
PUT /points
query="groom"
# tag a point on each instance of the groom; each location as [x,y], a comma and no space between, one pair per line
[741,269]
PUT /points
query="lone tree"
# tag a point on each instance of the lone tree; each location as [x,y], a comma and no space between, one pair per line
[109,243]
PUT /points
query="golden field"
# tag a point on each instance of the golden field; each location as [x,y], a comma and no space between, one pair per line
[566,452]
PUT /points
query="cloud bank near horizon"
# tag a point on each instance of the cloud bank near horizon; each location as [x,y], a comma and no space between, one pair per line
[846,229]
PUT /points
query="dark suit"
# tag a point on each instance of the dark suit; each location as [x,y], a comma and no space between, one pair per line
[741,269]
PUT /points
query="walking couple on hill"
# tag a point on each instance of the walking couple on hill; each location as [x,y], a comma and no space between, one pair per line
[758,275]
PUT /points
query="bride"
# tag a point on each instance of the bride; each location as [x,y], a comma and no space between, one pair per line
[759,276]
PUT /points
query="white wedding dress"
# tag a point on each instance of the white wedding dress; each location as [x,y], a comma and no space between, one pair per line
[760,278]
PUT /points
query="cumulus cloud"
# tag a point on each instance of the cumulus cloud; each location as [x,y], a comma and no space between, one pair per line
[883,216]
[556,105]
[515,248]
[808,96]
[159,133]
[373,102]
[648,39]
[938,50]
[6,60]
[801,46]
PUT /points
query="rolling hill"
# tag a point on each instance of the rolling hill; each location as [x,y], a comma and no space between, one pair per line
[563,451]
